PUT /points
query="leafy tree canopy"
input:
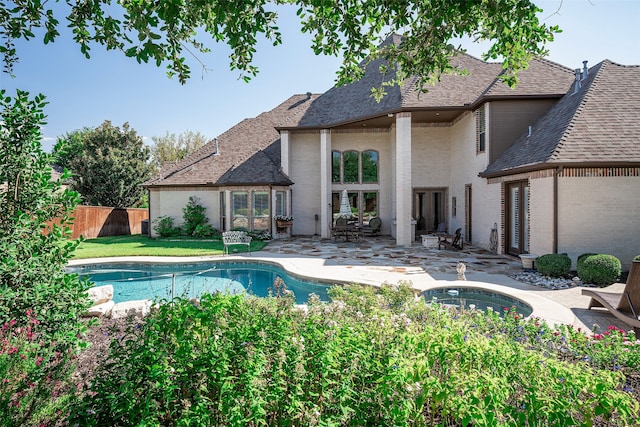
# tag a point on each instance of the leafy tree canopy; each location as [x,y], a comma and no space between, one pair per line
[162,31]
[172,147]
[108,164]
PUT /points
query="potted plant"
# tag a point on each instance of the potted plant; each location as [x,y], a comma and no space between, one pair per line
[283,220]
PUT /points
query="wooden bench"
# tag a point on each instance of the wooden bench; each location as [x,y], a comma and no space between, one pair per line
[235,238]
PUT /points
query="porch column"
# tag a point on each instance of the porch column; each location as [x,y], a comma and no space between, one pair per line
[285,152]
[227,208]
[403,179]
[326,218]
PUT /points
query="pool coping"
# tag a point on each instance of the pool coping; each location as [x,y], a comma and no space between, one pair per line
[319,269]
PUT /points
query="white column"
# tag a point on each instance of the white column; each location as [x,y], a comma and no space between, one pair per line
[227,214]
[285,152]
[326,218]
[403,179]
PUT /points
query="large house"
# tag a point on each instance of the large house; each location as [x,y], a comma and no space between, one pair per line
[550,166]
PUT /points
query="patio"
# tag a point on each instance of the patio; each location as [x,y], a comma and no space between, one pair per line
[376,260]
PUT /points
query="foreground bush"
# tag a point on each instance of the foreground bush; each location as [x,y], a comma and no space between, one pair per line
[554,265]
[371,357]
[601,269]
[40,305]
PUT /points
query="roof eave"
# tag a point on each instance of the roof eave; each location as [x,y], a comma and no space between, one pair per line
[557,165]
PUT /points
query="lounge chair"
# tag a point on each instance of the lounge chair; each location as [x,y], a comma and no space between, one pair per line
[451,241]
[623,305]
[373,228]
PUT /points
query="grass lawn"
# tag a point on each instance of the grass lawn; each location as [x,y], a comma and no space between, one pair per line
[139,245]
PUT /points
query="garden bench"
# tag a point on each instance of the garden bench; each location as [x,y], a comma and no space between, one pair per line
[235,238]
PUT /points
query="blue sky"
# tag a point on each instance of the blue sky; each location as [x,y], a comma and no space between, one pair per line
[110,86]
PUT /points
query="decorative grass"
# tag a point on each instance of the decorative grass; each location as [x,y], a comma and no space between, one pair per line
[139,245]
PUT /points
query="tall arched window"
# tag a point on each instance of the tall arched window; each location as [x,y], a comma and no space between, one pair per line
[335,166]
[369,166]
[351,166]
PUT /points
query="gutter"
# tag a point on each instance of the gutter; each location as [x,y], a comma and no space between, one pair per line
[556,165]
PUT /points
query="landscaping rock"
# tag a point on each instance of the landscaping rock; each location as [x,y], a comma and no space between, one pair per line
[100,310]
[139,308]
[101,294]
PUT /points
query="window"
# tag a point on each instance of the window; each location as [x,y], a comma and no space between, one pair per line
[260,205]
[454,207]
[362,212]
[370,208]
[481,126]
[281,203]
[335,166]
[240,210]
[369,166]
[351,166]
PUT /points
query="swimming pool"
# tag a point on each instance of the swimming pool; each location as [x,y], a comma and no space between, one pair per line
[481,299]
[135,281]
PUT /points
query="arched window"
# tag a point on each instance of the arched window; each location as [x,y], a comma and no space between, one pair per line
[351,166]
[369,166]
[335,166]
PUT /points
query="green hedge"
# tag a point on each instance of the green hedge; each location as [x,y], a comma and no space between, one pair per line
[554,265]
[601,269]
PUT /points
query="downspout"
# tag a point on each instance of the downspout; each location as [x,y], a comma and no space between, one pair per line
[555,209]
[149,211]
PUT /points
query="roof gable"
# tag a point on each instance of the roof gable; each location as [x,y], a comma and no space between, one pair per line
[247,153]
[598,124]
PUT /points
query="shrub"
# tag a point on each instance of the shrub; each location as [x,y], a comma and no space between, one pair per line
[193,216]
[376,356]
[581,259]
[637,258]
[601,269]
[554,265]
[204,230]
[40,304]
[164,226]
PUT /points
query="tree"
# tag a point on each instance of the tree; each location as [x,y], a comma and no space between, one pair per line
[40,305]
[162,31]
[172,147]
[109,164]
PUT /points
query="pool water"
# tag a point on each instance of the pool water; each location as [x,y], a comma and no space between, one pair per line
[480,299]
[155,281]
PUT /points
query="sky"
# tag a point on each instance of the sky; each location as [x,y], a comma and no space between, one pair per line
[84,93]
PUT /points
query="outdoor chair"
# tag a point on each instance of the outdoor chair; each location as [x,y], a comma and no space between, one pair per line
[451,241]
[373,229]
[623,305]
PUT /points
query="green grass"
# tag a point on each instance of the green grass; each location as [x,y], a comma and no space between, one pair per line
[138,245]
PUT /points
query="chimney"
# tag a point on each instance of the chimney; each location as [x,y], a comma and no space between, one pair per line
[577,86]
[585,70]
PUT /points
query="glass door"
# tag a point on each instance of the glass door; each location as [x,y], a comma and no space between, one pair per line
[517,217]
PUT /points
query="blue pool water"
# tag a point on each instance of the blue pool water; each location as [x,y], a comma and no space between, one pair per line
[481,299]
[154,281]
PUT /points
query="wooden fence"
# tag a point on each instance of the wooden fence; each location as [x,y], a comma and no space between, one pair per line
[99,221]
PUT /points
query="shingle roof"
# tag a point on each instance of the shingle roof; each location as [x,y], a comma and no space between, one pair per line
[249,153]
[353,102]
[599,124]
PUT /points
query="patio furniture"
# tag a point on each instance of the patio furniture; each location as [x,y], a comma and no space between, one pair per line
[451,241]
[373,229]
[623,305]
[345,230]
[230,238]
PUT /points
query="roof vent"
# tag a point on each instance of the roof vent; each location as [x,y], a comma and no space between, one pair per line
[215,141]
[577,86]
[585,70]
[530,131]
[308,95]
